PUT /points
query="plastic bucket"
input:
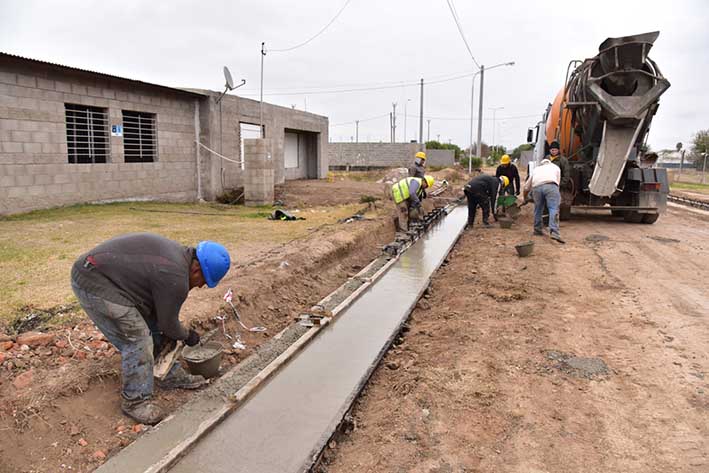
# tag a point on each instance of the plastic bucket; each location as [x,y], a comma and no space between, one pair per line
[524,249]
[204,359]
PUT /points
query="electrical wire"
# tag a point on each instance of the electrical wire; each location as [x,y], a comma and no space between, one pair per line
[363,84]
[347,2]
[361,121]
[451,7]
[365,89]
[516,117]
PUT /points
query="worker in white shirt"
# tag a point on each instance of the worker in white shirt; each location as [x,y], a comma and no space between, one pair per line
[544,186]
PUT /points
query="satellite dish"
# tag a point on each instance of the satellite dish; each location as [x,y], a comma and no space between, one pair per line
[229,80]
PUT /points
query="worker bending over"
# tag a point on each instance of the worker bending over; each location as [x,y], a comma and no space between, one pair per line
[481,192]
[506,168]
[407,195]
[132,287]
[419,167]
[544,186]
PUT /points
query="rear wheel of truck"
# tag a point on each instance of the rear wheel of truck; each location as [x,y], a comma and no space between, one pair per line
[631,216]
[650,218]
[565,212]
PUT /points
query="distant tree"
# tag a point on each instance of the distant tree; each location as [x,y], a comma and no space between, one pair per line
[517,152]
[433,144]
[485,150]
[700,147]
[496,153]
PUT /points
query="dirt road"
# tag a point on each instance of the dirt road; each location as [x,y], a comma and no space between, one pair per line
[592,356]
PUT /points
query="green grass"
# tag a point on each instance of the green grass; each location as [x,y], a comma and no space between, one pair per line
[702,188]
[38,248]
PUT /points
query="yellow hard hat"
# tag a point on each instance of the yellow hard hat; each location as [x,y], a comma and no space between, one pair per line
[421,155]
[505,159]
[429,180]
[505,181]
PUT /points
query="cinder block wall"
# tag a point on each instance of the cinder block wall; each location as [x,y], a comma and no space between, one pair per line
[371,155]
[222,174]
[440,157]
[34,167]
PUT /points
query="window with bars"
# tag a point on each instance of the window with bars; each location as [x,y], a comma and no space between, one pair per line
[87,134]
[139,138]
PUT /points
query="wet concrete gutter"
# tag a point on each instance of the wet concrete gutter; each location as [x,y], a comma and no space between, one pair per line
[287,424]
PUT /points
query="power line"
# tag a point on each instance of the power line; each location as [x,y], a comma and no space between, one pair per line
[365,89]
[516,117]
[451,7]
[364,84]
[361,121]
[347,2]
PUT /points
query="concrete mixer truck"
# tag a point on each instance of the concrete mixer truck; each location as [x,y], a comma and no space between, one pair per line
[601,118]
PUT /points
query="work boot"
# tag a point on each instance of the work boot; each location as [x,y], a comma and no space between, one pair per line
[487,224]
[143,411]
[178,378]
[538,232]
[557,237]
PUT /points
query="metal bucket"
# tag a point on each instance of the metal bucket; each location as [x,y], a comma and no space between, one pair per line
[204,359]
[505,223]
[524,249]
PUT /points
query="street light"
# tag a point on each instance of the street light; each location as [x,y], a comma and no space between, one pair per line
[494,111]
[481,71]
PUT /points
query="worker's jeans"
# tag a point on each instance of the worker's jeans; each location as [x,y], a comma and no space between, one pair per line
[547,194]
[125,328]
[475,201]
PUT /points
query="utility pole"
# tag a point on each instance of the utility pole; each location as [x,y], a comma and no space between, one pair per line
[393,123]
[438,138]
[428,133]
[421,116]
[681,165]
[357,131]
[472,102]
[260,107]
[391,127]
[405,115]
[494,111]
[480,112]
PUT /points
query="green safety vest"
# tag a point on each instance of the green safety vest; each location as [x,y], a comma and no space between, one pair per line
[400,190]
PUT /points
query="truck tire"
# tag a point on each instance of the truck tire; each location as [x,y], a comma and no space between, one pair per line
[617,213]
[565,212]
[650,218]
[631,216]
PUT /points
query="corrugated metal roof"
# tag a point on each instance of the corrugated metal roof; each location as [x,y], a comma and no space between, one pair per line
[100,74]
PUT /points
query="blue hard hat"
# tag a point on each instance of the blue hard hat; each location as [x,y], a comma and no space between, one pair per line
[214,260]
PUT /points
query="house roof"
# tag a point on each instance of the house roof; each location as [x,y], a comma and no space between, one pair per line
[4,56]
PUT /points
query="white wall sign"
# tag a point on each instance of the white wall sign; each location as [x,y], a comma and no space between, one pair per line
[116,130]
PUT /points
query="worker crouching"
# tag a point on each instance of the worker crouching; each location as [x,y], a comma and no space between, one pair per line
[482,192]
[407,195]
[132,287]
